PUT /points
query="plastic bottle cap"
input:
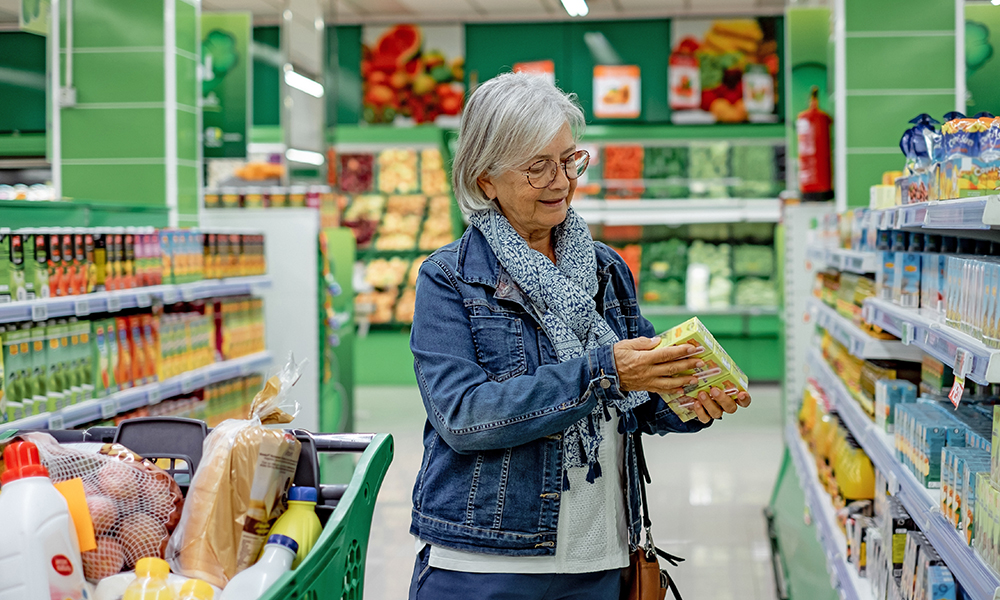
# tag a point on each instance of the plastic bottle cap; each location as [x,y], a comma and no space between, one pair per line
[301,493]
[21,460]
[152,567]
[283,540]
[196,589]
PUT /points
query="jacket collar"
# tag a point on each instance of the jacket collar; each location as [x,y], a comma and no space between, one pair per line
[478,264]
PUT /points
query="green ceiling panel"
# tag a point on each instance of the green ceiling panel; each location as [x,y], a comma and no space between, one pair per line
[187,78]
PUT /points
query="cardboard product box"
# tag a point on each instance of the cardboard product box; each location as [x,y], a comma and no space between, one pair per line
[18,282]
[36,263]
[7,285]
[123,370]
[39,364]
[53,374]
[967,177]
[57,284]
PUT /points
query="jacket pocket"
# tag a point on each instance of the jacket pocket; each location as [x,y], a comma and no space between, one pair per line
[499,342]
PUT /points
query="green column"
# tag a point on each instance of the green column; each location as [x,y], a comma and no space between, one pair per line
[131,138]
[894,60]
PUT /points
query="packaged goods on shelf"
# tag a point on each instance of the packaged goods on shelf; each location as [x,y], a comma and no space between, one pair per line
[936,377]
[709,170]
[357,173]
[231,254]
[889,393]
[986,520]
[667,163]
[398,172]
[269,196]
[923,429]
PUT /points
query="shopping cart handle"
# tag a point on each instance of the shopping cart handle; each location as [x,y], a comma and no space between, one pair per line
[342,442]
[333,492]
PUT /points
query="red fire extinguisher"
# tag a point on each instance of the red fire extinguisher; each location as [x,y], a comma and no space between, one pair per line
[813,129]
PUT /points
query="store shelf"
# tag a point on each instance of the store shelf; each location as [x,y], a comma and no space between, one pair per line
[843,576]
[101,302]
[978,579]
[651,310]
[841,259]
[678,212]
[858,341]
[965,214]
[928,332]
[145,395]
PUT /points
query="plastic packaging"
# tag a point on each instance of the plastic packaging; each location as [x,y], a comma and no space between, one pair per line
[196,589]
[253,582]
[113,588]
[38,535]
[235,496]
[150,581]
[300,522]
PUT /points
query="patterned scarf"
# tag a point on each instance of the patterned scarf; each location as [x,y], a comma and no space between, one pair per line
[562,295]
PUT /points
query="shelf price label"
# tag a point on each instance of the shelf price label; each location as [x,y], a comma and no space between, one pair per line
[142,300]
[81,307]
[154,396]
[188,293]
[39,312]
[109,408]
[170,295]
[56,421]
[907,334]
[192,382]
[114,303]
[963,366]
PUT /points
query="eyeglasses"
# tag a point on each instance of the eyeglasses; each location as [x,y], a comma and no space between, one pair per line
[542,173]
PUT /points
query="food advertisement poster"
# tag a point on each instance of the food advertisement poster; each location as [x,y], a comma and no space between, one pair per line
[412,72]
[617,92]
[982,65]
[226,86]
[543,68]
[34,16]
[723,71]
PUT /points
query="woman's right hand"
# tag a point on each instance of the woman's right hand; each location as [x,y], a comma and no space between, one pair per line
[644,367]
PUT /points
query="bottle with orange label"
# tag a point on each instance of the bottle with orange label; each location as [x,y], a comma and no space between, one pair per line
[123,371]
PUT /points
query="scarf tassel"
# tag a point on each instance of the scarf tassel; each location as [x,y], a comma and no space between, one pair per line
[565,480]
[607,413]
[628,422]
[594,472]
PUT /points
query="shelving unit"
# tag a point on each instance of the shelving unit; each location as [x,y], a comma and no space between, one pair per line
[965,214]
[101,302]
[652,310]
[978,579]
[843,576]
[854,261]
[678,212]
[927,332]
[858,341]
[145,395]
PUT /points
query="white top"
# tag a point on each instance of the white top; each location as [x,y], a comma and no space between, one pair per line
[592,534]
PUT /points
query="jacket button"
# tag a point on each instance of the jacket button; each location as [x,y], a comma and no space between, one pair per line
[605,384]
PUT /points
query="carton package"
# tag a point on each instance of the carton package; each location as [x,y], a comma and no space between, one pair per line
[719,371]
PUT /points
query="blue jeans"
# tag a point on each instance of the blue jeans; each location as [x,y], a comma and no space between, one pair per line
[429,583]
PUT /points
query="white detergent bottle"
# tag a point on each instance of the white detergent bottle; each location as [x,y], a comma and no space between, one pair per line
[254,581]
[39,552]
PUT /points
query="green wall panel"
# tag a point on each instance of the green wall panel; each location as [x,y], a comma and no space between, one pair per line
[114,23]
[865,170]
[491,49]
[899,15]
[344,44]
[136,185]
[110,133]
[187,191]
[110,77]
[897,56]
[643,43]
[185,18]
[982,58]
[266,80]
[187,78]
[879,121]
[22,83]
[187,135]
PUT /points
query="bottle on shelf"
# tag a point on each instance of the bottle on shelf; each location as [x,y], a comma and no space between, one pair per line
[37,532]
[150,583]
[300,522]
[250,584]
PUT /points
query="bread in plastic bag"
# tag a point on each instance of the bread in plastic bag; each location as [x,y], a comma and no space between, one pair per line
[237,492]
[134,505]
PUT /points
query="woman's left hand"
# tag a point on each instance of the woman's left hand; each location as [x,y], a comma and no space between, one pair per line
[712,404]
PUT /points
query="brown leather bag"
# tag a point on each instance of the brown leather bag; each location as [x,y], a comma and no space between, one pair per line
[644,580]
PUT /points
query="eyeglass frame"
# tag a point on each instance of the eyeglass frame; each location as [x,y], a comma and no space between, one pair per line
[564,162]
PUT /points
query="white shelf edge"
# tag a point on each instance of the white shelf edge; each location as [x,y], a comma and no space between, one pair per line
[922,504]
[986,363]
[842,259]
[679,212]
[858,342]
[976,213]
[843,574]
[137,397]
[653,310]
[98,302]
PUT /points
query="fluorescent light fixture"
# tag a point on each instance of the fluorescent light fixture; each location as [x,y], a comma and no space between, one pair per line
[995,2]
[576,8]
[304,156]
[303,83]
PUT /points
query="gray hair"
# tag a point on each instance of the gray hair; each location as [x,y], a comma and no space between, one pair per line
[507,120]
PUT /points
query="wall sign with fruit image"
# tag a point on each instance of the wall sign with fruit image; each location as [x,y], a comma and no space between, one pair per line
[724,71]
[403,79]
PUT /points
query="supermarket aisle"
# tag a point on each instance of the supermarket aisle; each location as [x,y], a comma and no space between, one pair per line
[707,496]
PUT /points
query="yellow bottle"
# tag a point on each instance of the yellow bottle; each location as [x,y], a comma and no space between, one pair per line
[300,522]
[196,589]
[150,581]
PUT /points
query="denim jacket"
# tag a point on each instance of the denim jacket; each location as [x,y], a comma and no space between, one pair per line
[498,399]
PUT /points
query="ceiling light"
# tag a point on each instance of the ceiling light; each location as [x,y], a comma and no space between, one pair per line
[303,83]
[995,2]
[576,8]
[304,156]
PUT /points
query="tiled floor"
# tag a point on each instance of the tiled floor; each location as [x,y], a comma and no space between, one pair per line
[706,499]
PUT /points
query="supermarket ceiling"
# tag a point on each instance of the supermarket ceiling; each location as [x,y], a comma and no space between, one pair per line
[382,11]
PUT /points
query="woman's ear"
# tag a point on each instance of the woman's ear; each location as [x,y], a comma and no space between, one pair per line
[486,184]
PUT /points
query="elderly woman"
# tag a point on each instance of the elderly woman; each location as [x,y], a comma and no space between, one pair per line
[535,366]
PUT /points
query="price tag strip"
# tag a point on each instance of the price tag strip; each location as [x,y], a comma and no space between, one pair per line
[56,421]
[963,366]
[39,312]
[109,408]
[142,300]
[154,396]
[81,307]
[907,333]
[114,303]
[170,295]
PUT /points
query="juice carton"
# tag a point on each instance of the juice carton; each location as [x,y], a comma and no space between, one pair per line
[53,375]
[105,358]
[39,369]
[128,259]
[36,264]
[6,276]
[123,370]
[86,361]
[55,266]
[78,283]
[137,349]
[18,282]
[151,346]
